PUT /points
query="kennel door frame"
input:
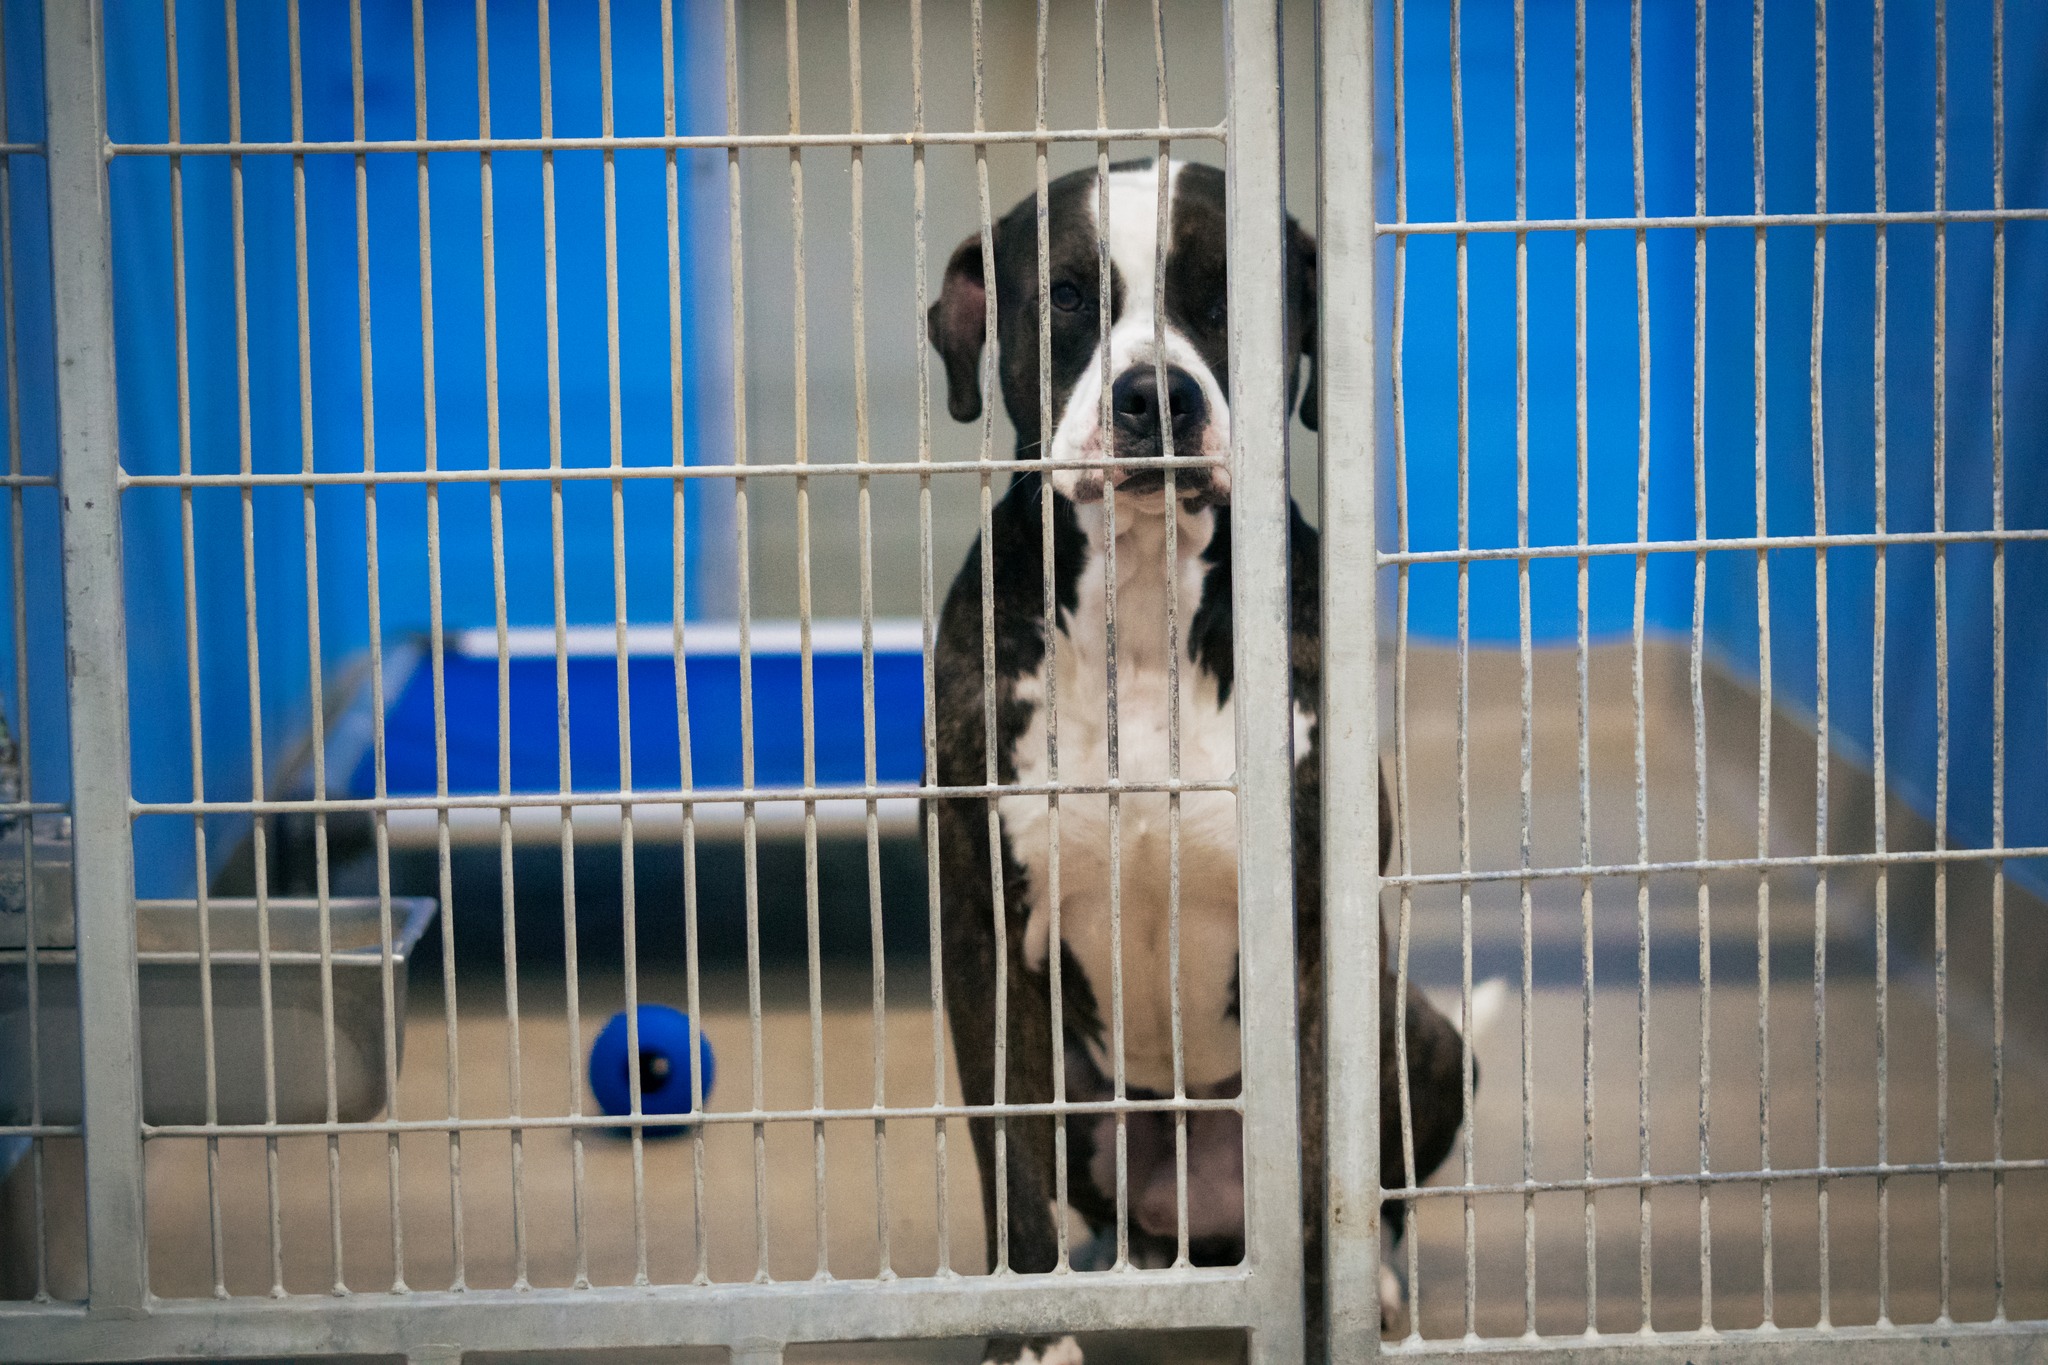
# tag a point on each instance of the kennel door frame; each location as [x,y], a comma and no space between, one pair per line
[121,1319]
[1350,125]
[1348,724]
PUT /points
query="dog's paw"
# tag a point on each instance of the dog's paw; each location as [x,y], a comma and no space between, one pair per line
[1097,1253]
[1392,1301]
[1035,1351]
[1489,1004]
[1393,1284]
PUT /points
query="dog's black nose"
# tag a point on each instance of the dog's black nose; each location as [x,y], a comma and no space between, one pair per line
[1134,398]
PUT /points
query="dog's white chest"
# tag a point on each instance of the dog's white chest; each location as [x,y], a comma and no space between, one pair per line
[1135,906]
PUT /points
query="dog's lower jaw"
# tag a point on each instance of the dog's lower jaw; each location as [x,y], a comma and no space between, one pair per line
[1034,1351]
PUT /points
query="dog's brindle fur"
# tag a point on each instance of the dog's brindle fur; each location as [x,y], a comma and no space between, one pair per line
[1194,294]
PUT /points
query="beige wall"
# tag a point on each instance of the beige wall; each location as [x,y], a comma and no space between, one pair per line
[893,309]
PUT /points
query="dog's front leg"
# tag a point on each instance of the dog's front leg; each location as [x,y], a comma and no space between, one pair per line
[1015,1153]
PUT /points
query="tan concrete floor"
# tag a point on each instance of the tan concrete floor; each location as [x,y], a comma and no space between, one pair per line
[1671,911]
[731,1215]
[587,1225]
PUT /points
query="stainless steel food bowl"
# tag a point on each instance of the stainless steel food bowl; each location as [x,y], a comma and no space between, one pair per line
[173,1031]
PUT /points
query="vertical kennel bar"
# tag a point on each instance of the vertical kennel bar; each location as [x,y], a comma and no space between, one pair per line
[1997,655]
[1461,307]
[181,343]
[1348,729]
[629,910]
[1702,896]
[801,427]
[1401,745]
[1939,451]
[743,594]
[1881,895]
[879,966]
[1105,399]
[1585,705]
[1525,619]
[928,617]
[17,546]
[1759,357]
[1820,624]
[572,973]
[1462,247]
[437,642]
[1056,988]
[315,659]
[1260,402]
[394,1177]
[95,632]
[1642,573]
[999,912]
[1162,179]
[1941,649]
[679,582]
[493,454]
[252,645]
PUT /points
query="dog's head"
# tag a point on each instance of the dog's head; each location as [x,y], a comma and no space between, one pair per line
[1190,334]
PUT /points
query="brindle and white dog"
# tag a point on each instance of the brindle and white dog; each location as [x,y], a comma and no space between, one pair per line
[1065,672]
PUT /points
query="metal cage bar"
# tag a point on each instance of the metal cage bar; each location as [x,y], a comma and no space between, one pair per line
[1261,1296]
[1261,400]
[96,637]
[23,806]
[1814,1180]
[1348,723]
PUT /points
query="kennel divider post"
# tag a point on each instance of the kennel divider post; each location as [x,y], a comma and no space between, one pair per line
[81,268]
[1348,733]
[1260,406]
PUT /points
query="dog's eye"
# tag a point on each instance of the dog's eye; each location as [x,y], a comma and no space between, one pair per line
[1217,313]
[1065,297]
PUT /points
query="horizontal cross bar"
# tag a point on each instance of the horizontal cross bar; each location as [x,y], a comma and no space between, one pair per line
[660,142]
[1465,227]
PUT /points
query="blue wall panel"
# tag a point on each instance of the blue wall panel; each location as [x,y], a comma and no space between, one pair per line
[147,352]
[1743,430]
[329,411]
[1429,355]
[46,735]
[1915,437]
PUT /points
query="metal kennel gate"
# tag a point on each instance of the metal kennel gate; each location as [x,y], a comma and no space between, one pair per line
[1361,550]
[120,1317]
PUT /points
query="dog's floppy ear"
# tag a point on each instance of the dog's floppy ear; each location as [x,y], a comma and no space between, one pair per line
[957,325]
[1305,301]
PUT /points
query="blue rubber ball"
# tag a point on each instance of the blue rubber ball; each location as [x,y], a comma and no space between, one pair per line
[664,1065]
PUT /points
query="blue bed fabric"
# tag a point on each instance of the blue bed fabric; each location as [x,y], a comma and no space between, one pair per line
[594,724]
